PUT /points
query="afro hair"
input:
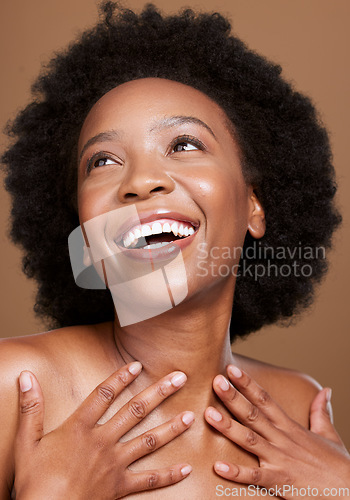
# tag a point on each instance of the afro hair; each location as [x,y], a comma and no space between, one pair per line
[285,155]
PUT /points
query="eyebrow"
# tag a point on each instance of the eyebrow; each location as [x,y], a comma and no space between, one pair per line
[167,122]
[110,135]
[173,121]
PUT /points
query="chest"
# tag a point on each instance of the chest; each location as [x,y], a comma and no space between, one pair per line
[200,446]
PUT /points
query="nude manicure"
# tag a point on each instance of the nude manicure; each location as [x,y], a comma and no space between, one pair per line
[236,372]
[222,467]
[188,418]
[223,384]
[25,382]
[186,470]
[329,395]
[178,379]
[135,368]
[215,415]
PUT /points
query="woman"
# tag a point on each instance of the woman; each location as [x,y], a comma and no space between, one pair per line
[175,119]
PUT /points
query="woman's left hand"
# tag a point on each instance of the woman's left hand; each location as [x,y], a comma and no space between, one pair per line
[290,456]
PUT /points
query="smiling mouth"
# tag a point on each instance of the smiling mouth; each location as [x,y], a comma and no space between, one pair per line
[156,234]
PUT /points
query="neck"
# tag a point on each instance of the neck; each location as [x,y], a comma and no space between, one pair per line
[193,337]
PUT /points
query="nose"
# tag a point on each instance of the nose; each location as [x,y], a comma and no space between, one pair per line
[144,177]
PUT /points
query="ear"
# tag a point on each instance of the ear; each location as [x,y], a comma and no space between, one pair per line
[256,218]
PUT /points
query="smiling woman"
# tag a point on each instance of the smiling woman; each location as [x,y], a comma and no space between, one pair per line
[153,162]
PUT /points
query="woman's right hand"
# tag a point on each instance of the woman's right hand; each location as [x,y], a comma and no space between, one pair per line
[84,459]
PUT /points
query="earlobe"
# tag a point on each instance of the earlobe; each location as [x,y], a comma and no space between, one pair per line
[256,221]
[86,258]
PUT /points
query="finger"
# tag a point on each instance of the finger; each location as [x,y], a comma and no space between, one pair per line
[321,416]
[158,437]
[258,396]
[142,404]
[104,395]
[246,412]
[31,414]
[245,474]
[152,479]
[237,433]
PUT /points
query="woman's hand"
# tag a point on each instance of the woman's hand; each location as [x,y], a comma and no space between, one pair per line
[83,459]
[289,455]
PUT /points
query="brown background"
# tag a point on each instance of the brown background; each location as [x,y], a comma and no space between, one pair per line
[310,39]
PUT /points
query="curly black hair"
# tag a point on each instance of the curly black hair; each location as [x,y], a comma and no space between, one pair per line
[285,154]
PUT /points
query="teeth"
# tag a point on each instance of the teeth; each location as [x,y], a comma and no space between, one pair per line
[146,230]
[156,245]
[131,239]
[137,233]
[126,241]
[174,228]
[157,228]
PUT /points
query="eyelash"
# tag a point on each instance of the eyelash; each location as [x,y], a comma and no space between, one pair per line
[96,157]
[179,140]
[187,138]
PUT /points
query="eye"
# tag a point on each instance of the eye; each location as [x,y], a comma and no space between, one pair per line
[99,160]
[186,143]
[184,146]
[102,162]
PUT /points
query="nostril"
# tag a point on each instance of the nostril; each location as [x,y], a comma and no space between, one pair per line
[158,188]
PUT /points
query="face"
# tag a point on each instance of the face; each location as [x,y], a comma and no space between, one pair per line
[165,149]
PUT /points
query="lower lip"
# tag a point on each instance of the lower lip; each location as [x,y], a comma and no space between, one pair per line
[167,252]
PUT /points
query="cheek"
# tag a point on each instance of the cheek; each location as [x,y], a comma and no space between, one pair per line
[93,200]
[223,197]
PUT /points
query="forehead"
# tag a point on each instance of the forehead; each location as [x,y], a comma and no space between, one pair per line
[139,102]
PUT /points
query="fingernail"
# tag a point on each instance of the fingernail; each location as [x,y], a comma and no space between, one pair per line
[329,395]
[186,470]
[178,379]
[188,418]
[223,384]
[215,415]
[236,372]
[135,368]
[25,382]
[222,467]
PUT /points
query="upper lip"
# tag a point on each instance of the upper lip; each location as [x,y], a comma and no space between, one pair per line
[150,216]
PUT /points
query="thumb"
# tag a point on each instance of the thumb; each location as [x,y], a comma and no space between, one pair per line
[321,416]
[31,410]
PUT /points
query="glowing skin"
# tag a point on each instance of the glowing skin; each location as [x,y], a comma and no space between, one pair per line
[139,165]
[148,165]
[129,158]
[132,138]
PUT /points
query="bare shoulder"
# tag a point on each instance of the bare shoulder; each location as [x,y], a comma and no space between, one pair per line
[50,348]
[52,356]
[48,356]
[41,353]
[16,355]
[291,389]
[35,352]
